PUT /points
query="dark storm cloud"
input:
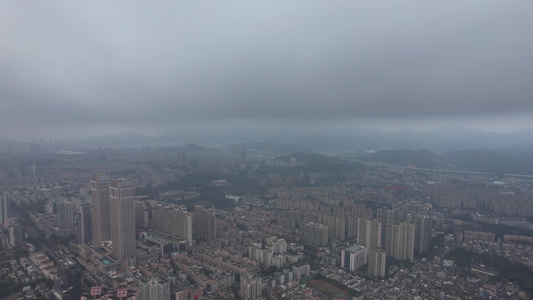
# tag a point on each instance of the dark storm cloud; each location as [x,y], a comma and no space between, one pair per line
[167,63]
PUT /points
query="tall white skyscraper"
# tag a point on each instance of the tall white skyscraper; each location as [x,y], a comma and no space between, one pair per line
[100,207]
[122,208]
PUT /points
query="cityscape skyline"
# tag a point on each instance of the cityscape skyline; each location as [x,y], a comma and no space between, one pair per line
[233,223]
[263,150]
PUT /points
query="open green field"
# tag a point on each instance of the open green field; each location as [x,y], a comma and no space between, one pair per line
[328,289]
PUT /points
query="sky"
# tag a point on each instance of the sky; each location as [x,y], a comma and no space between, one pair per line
[86,68]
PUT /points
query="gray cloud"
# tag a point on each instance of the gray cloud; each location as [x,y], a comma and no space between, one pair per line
[114,64]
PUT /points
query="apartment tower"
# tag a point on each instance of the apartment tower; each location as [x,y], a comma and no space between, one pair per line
[4,210]
[205,226]
[369,232]
[400,240]
[65,218]
[377,262]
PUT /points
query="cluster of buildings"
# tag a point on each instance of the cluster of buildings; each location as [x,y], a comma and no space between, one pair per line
[401,231]
[11,230]
[111,244]
[153,247]
[274,253]
[462,196]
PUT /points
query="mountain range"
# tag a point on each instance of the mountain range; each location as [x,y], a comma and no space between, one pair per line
[449,147]
[444,139]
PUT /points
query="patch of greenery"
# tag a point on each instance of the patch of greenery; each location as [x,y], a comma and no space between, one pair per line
[37,206]
[239,184]
[495,161]
[13,254]
[9,286]
[319,163]
[391,261]
[464,217]
[403,157]
[512,271]
[268,271]
[352,292]
[501,229]
[147,190]
[437,241]
[461,257]
[60,240]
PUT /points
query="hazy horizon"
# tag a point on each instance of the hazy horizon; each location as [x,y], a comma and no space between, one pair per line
[203,135]
[87,69]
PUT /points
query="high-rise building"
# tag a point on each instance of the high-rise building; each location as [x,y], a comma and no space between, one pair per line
[49,208]
[400,240]
[143,213]
[351,226]
[391,216]
[65,218]
[336,226]
[276,245]
[264,256]
[315,233]
[16,234]
[182,158]
[377,259]
[68,279]
[369,232]
[154,288]
[298,272]
[174,220]
[100,207]
[122,208]
[251,287]
[4,210]
[159,289]
[353,257]
[85,225]
[423,226]
[205,226]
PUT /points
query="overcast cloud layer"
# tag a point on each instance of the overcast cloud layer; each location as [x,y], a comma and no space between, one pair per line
[79,67]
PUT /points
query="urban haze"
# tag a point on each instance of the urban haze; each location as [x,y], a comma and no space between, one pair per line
[244,150]
[87,69]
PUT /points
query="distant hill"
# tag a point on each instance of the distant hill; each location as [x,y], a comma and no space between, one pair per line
[6,145]
[6,141]
[122,139]
[497,161]
[195,148]
[189,148]
[319,163]
[274,148]
[422,158]
[441,140]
